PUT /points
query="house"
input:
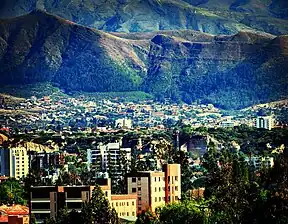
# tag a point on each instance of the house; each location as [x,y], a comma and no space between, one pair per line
[14,214]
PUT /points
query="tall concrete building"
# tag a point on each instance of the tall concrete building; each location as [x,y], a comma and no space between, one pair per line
[172,182]
[156,188]
[150,189]
[266,122]
[14,162]
[106,155]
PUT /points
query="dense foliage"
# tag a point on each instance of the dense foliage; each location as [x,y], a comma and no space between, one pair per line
[12,192]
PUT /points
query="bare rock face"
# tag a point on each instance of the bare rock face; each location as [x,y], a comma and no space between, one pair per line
[231,71]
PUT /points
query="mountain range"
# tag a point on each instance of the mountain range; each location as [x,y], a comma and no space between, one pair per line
[231,71]
[209,16]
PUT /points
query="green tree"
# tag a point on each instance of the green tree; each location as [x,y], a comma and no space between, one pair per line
[98,210]
[12,192]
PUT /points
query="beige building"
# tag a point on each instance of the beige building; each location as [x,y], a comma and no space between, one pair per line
[154,188]
[150,189]
[172,182]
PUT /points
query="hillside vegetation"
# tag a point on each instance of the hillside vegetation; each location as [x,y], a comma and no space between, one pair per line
[231,71]
[210,16]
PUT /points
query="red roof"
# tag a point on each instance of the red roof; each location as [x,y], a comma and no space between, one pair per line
[3,219]
[15,210]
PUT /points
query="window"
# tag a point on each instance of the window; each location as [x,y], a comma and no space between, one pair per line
[127,213]
[169,179]
[155,179]
[132,203]
[139,178]
[155,189]
[139,188]
[168,188]
[176,198]
[106,194]
[155,199]
[176,188]
[134,190]
[169,198]
[159,199]
[133,179]
[139,198]
[112,204]
[159,189]
[159,179]
[176,178]
[127,203]
[116,204]
[133,213]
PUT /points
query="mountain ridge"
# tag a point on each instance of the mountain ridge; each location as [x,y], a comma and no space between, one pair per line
[231,71]
[210,16]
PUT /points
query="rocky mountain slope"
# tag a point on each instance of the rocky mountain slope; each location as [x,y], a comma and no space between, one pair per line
[210,16]
[231,71]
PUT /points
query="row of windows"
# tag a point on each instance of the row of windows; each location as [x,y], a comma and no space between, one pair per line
[172,188]
[159,179]
[122,204]
[159,199]
[159,189]
[134,179]
[172,179]
[123,214]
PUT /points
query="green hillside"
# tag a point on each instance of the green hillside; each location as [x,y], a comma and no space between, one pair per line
[230,71]
[210,16]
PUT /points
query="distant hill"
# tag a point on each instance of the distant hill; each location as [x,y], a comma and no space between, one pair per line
[209,16]
[231,71]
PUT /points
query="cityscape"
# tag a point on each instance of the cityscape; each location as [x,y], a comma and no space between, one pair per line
[143,112]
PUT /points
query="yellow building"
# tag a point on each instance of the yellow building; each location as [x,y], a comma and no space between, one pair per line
[14,162]
[154,188]
[125,205]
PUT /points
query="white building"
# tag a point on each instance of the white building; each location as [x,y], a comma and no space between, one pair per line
[227,124]
[258,162]
[266,122]
[123,123]
[106,155]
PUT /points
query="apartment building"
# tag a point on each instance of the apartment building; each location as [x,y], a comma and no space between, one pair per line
[149,187]
[14,162]
[106,155]
[172,182]
[154,188]
[46,201]
[266,122]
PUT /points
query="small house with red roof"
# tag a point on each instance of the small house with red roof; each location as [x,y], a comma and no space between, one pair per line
[14,214]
